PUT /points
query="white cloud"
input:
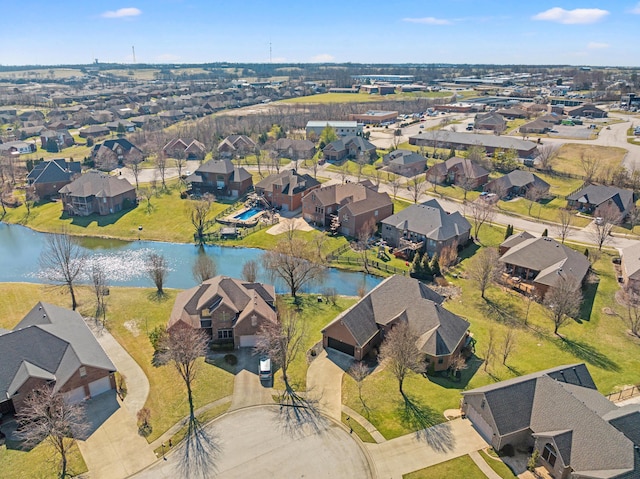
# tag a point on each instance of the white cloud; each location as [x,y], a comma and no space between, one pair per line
[597,45]
[572,17]
[122,13]
[428,21]
[322,58]
[636,9]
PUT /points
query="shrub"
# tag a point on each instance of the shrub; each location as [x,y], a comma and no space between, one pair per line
[156,336]
[230,359]
[533,461]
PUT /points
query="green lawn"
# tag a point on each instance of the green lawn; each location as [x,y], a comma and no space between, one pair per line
[40,462]
[357,429]
[569,154]
[498,466]
[462,466]
[131,313]
[598,339]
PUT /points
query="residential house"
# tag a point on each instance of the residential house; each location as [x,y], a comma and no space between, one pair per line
[348,208]
[113,153]
[285,190]
[517,183]
[94,131]
[461,141]
[171,116]
[62,138]
[426,227]
[188,149]
[592,197]
[458,171]
[578,433]
[490,121]
[29,132]
[221,178]
[513,113]
[294,149]
[51,346]
[47,177]
[17,148]
[96,192]
[630,266]
[404,162]
[125,125]
[32,116]
[236,145]
[533,265]
[227,309]
[350,147]
[441,335]
[315,128]
[588,110]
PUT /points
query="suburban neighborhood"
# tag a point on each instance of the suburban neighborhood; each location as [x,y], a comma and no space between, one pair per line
[320,269]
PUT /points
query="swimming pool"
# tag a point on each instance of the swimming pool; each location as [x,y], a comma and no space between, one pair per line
[248,214]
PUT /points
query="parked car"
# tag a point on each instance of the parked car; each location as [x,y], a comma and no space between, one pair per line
[264,369]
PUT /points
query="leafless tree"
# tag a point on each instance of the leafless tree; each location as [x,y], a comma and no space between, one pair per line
[563,300]
[199,211]
[134,163]
[630,299]
[204,267]
[47,416]
[529,298]
[359,372]
[282,341]
[546,156]
[448,256]
[6,192]
[394,183]
[590,165]
[179,157]
[157,270]
[607,216]
[100,289]
[147,193]
[534,194]
[400,353]
[144,417]
[416,186]
[563,227]
[489,350]
[250,271]
[275,161]
[376,177]
[633,216]
[364,235]
[481,212]
[62,261]
[508,344]
[344,171]
[293,260]
[483,268]
[432,177]
[458,363]
[161,165]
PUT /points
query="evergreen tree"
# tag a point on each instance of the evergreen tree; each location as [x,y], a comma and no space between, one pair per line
[508,232]
[435,267]
[426,268]
[545,232]
[452,152]
[416,266]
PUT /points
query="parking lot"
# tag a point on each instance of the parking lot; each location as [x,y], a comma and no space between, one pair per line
[578,132]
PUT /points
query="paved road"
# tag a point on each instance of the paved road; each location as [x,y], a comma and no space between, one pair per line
[254,443]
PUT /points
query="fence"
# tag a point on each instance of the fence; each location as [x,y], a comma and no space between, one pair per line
[372,264]
[337,252]
[624,394]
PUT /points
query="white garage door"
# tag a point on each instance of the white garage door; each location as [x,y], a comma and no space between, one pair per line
[99,386]
[74,396]
[481,425]
[248,341]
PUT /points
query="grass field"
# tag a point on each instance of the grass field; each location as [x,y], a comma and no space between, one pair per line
[462,466]
[365,97]
[569,154]
[40,462]
[598,339]
[498,466]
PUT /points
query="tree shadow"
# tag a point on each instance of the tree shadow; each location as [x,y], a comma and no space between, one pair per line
[298,415]
[468,251]
[85,221]
[199,453]
[502,310]
[589,297]
[587,353]
[157,296]
[427,423]
[445,381]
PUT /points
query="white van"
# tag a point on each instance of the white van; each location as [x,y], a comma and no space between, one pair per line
[264,369]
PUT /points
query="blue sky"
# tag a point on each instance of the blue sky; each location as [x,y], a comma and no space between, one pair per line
[370,31]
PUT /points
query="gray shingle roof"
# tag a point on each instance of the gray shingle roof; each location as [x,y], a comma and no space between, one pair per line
[467,167]
[519,178]
[290,182]
[50,343]
[490,141]
[631,260]
[95,183]
[598,194]
[403,157]
[430,219]
[53,171]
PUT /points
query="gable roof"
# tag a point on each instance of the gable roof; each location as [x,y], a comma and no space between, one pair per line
[516,239]
[53,171]
[350,193]
[49,343]
[549,258]
[95,183]
[439,331]
[631,260]
[598,194]
[467,167]
[289,181]
[431,220]
[296,145]
[519,179]
[112,144]
[403,157]
[347,142]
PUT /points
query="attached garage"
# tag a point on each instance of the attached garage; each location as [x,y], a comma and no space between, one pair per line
[340,346]
[74,396]
[99,386]
[481,425]
[248,341]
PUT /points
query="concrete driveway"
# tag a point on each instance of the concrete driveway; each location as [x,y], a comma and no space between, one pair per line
[248,390]
[256,443]
[324,381]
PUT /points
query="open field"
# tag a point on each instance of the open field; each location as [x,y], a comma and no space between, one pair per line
[40,462]
[569,155]
[365,97]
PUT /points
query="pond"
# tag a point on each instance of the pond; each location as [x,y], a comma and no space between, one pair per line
[124,262]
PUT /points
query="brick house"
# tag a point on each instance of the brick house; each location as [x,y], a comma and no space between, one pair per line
[350,207]
[350,147]
[189,149]
[227,309]
[294,149]
[51,345]
[62,138]
[458,171]
[236,145]
[285,190]
[404,162]
[96,192]
[113,153]
[517,183]
[47,177]
[362,327]
[221,178]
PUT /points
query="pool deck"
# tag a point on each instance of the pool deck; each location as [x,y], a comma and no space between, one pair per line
[248,223]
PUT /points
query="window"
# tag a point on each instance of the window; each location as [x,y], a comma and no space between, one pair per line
[83,371]
[549,454]
[375,213]
[440,360]
[225,333]
[254,321]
